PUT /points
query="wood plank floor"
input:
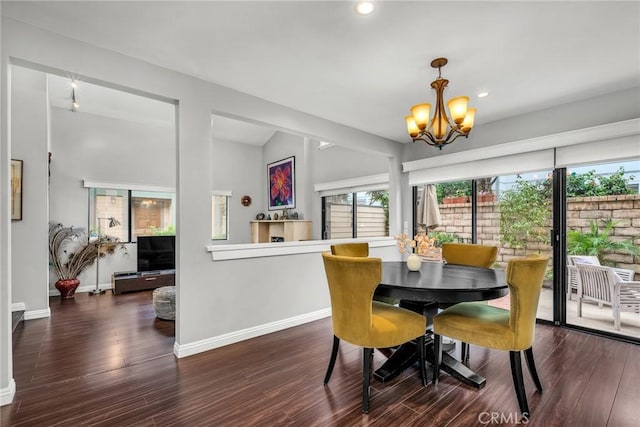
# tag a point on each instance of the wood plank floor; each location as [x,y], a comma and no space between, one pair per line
[108,361]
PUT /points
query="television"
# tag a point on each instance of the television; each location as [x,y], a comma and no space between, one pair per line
[156,253]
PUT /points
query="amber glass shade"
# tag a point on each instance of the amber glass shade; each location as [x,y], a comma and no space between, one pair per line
[467,124]
[412,128]
[458,108]
[439,127]
[420,114]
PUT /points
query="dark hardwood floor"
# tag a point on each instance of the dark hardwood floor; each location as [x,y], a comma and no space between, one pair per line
[107,360]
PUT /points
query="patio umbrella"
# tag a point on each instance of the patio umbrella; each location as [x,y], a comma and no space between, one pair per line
[428,210]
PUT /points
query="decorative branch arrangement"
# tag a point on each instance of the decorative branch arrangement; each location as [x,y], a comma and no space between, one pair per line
[70,250]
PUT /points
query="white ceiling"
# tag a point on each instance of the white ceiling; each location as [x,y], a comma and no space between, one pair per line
[365,72]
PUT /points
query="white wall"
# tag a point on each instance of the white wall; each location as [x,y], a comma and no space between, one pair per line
[280,146]
[239,168]
[337,163]
[29,236]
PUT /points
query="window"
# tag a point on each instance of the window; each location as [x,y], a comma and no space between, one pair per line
[359,214]
[127,214]
[152,213]
[220,216]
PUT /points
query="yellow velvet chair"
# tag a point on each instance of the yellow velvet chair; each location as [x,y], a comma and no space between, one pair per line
[359,320]
[469,254]
[472,255]
[351,249]
[359,250]
[492,327]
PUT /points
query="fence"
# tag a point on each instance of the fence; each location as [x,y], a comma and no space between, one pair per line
[371,221]
[623,209]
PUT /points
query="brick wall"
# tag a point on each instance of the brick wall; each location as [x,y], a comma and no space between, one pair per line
[624,209]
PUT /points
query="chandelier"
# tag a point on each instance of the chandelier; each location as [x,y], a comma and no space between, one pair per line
[441,130]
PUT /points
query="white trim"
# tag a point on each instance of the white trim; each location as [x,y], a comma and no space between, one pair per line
[257,250]
[248,333]
[579,136]
[18,306]
[124,186]
[221,193]
[7,394]
[37,314]
[382,178]
[85,288]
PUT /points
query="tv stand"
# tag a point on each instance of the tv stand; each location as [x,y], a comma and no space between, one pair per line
[130,281]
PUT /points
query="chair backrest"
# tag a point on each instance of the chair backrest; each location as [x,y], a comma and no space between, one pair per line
[524,277]
[583,259]
[351,249]
[469,254]
[352,282]
[596,282]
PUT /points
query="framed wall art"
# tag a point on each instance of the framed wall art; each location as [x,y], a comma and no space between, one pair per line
[281,178]
[16,189]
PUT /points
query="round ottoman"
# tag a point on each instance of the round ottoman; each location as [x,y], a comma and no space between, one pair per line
[164,302]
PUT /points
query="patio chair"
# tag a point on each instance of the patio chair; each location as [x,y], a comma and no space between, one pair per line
[572,272]
[604,286]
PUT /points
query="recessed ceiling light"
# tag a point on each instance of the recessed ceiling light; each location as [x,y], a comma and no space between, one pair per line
[364,7]
[74,84]
[483,94]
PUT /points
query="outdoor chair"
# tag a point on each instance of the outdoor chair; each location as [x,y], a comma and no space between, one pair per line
[572,272]
[604,286]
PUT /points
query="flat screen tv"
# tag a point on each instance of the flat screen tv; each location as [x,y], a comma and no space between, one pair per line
[156,253]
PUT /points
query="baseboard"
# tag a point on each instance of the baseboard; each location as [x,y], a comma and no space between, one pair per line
[37,314]
[245,334]
[18,306]
[7,394]
[86,288]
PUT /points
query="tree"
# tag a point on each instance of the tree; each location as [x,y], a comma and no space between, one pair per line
[525,213]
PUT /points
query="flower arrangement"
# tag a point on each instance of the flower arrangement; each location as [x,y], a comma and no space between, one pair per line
[420,244]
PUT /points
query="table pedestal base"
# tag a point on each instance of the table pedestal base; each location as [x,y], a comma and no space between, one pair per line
[406,356]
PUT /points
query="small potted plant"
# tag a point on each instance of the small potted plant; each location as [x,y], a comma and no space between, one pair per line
[71,251]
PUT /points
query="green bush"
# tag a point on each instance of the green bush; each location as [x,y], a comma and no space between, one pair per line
[442,237]
[525,213]
[589,184]
[597,242]
[453,189]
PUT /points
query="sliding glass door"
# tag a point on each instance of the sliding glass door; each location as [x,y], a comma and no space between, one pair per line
[512,212]
[603,228]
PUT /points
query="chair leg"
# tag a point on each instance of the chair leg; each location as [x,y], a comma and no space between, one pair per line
[332,360]
[464,352]
[518,382]
[437,357]
[366,376]
[528,354]
[579,306]
[421,351]
[616,318]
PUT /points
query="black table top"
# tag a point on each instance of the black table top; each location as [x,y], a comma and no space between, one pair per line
[443,283]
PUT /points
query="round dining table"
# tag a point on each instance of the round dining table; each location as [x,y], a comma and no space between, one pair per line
[436,285]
